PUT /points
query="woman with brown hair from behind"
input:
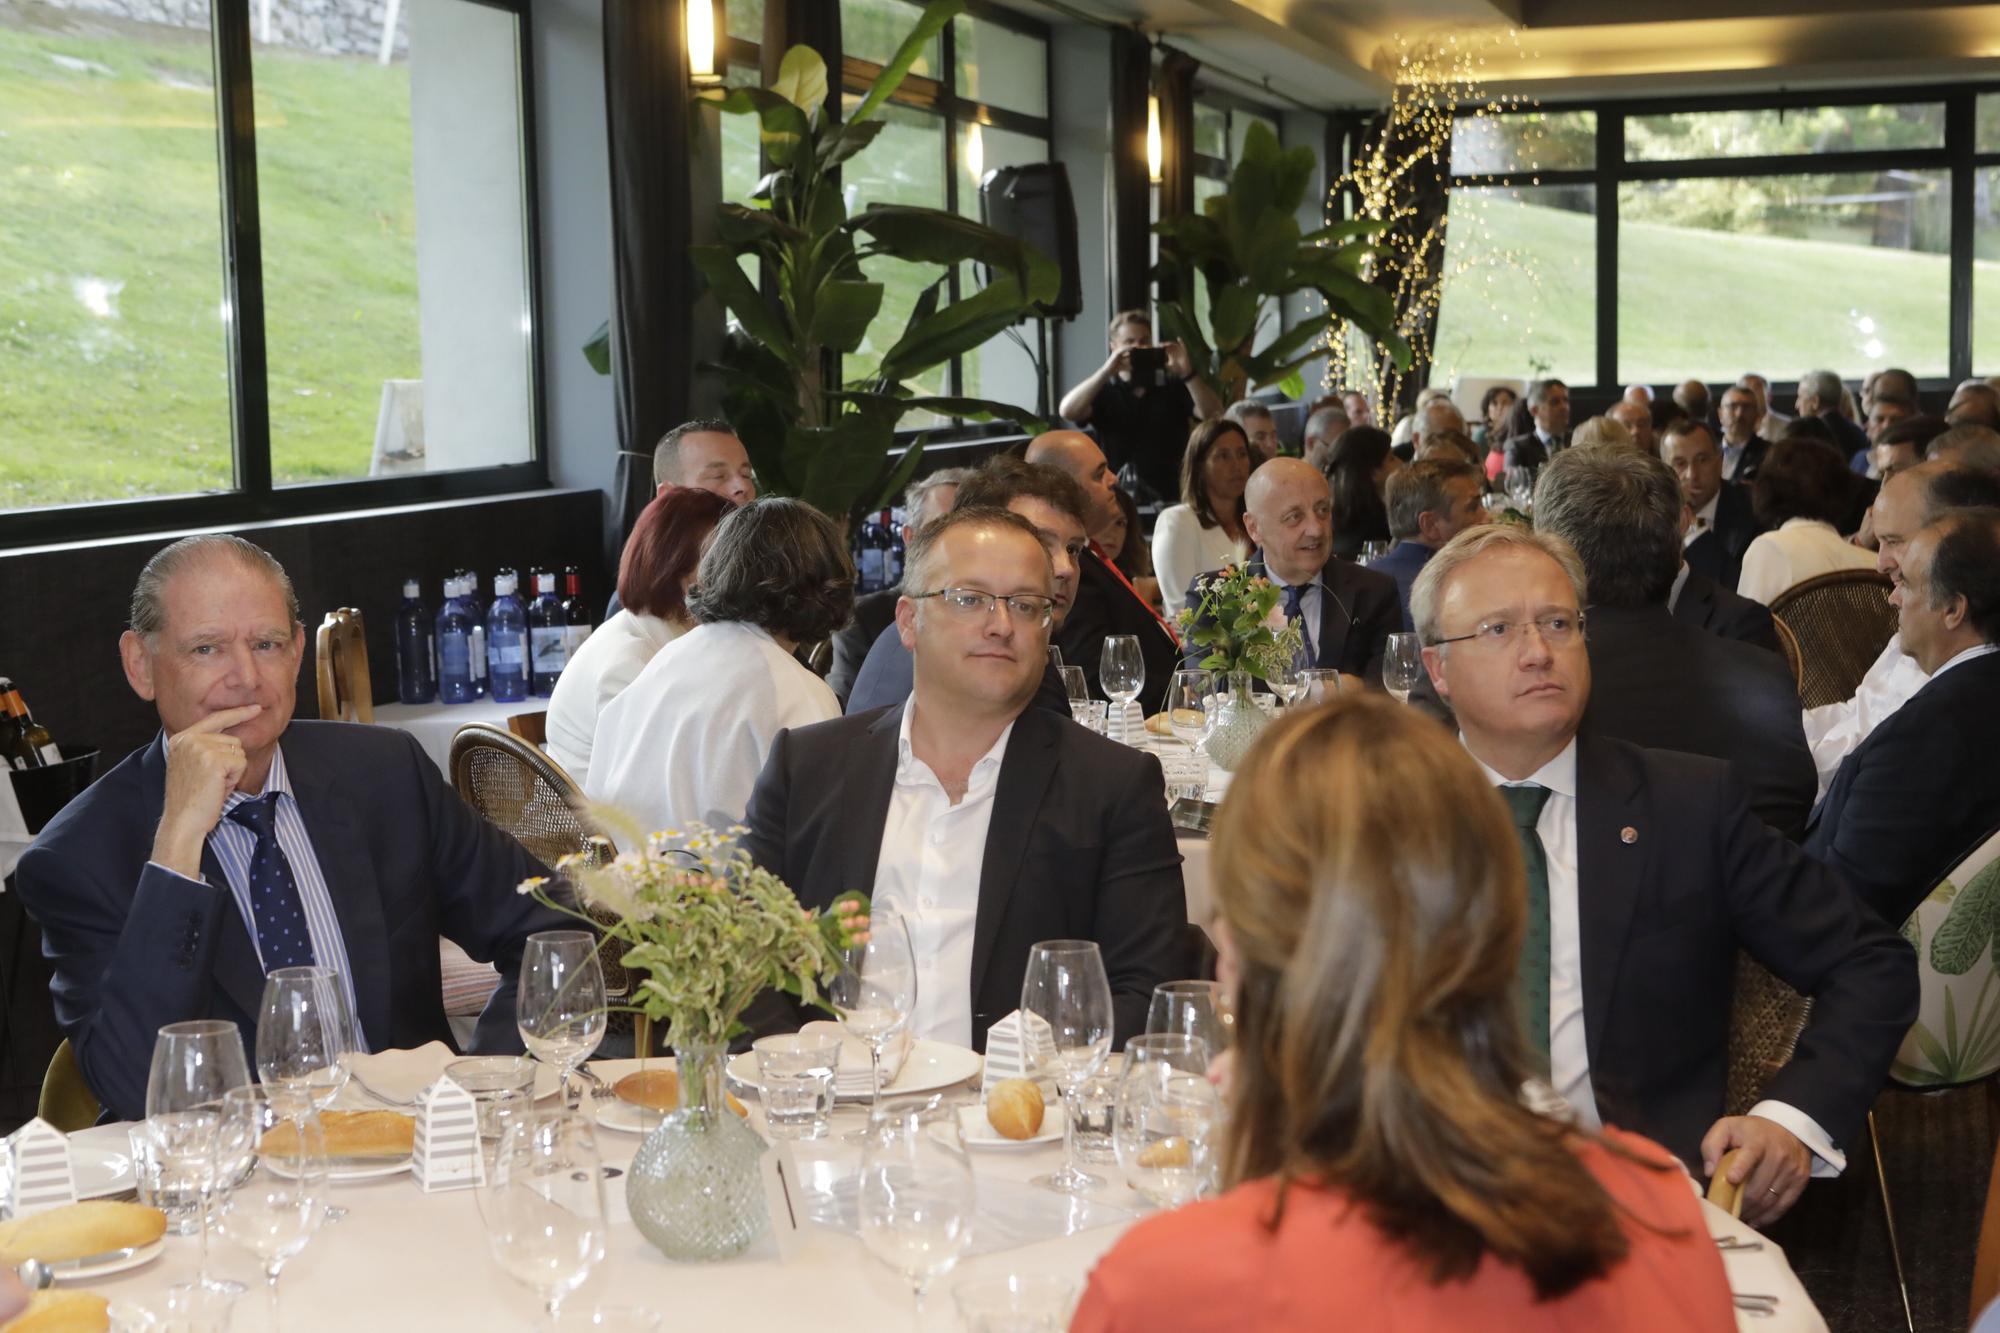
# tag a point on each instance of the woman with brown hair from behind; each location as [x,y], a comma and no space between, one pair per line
[1381,1167]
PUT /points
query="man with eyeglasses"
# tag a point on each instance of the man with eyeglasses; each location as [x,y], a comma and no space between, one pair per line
[1645,874]
[985,824]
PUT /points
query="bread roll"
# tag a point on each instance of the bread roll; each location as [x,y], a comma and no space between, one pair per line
[79,1230]
[1014,1109]
[1167,1152]
[660,1090]
[384,1134]
[62,1312]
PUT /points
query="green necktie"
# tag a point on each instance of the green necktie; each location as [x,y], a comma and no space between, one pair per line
[1526,802]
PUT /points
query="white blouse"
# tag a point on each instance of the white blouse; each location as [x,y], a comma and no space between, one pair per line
[1183,548]
[1797,550]
[609,660]
[687,739]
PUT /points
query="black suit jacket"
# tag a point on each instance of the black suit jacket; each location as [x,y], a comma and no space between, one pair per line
[1907,803]
[1718,552]
[1674,875]
[1708,605]
[135,946]
[1079,847]
[1527,450]
[1660,682]
[1752,458]
[872,614]
[1359,608]
[1103,607]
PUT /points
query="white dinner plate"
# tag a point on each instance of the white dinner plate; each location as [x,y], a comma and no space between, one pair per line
[614,1113]
[354,1168]
[978,1131]
[99,1171]
[930,1066]
[144,1254]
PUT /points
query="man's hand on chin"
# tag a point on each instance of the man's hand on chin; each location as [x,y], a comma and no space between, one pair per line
[1772,1168]
[203,766]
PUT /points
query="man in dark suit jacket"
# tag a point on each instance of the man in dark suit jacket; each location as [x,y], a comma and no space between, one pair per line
[1652,873]
[1919,793]
[1548,404]
[1429,503]
[988,825]
[1657,681]
[240,840]
[1700,601]
[1720,525]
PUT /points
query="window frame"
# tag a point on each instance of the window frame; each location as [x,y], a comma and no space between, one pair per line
[253,497]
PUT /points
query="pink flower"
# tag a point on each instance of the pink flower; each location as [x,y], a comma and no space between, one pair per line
[1275,621]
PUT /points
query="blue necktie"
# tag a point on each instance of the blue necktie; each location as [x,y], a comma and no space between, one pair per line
[1295,613]
[282,937]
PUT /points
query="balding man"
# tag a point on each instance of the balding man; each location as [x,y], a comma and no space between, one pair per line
[1639,420]
[1639,395]
[1344,612]
[1323,427]
[1974,403]
[239,841]
[1106,602]
[1692,395]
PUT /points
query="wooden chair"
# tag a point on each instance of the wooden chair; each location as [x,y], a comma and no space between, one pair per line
[67,1101]
[1788,643]
[1986,1259]
[342,654]
[1842,621]
[530,727]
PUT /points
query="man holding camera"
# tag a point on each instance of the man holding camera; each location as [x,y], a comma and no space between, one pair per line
[1142,402]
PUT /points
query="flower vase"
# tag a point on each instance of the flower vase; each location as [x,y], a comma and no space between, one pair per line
[1237,725]
[693,1189]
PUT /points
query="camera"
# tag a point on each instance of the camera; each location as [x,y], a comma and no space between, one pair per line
[1149,366]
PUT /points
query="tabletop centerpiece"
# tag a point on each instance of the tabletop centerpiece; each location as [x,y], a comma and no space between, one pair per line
[705,932]
[1238,620]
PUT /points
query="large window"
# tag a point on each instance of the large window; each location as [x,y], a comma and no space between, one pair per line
[1647,242]
[377,319]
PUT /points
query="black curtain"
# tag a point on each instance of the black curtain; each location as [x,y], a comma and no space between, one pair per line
[1425,191]
[649,127]
[1131,201]
[1176,89]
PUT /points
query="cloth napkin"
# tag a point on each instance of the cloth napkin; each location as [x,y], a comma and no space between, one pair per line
[852,1079]
[395,1076]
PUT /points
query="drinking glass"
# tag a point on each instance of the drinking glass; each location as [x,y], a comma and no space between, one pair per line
[1519,483]
[1065,986]
[1402,665]
[543,1205]
[875,994]
[560,1008]
[1373,551]
[917,1198]
[305,1037]
[1055,657]
[795,1078]
[1284,679]
[195,1065]
[1166,1118]
[1192,1009]
[1075,684]
[1122,673]
[1187,706]
[1089,713]
[1015,1303]
[1318,685]
[274,1155]
[501,1087]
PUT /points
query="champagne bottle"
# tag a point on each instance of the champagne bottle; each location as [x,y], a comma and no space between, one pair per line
[12,741]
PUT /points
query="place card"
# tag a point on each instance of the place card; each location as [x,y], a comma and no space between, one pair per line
[42,1175]
[447,1155]
[784,1197]
[1018,1046]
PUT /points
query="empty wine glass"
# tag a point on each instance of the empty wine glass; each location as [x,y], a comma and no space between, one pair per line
[1402,665]
[916,1196]
[275,1158]
[1163,1128]
[1519,483]
[875,993]
[543,1205]
[560,1007]
[1187,706]
[1373,551]
[1318,685]
[1065,986]
[305,1038]
[1075,684]
[1121,670]
[1191,1009]
[195,1065]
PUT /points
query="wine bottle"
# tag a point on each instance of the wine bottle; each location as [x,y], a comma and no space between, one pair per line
[416,649]
[548,636]
[892,520]
[35,747]
[871,554]
[13,744]
[578,616]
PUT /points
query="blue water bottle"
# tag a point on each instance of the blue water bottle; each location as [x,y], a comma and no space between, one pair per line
[548,636]
[416,652]
[454,647]
[506,643]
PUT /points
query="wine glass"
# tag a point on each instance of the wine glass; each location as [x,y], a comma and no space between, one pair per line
[305,1037]
[1163,1127]
[1373,551]
[1187,707]
[1122,672]
[1055,657]
[1519,483]
[560,1008]
[1075,684]
[1318,685]
[1066,988]
[875,995]
[917,1197]
[543,1204]
[1191,1009]
[195,1065]
[274,1153]
[1402,665]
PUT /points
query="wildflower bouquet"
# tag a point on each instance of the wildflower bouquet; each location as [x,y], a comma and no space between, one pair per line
[1238,620]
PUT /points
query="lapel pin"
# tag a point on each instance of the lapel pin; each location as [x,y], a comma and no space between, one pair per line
[1628,835]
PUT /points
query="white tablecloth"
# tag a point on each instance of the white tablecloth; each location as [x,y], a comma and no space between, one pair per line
[14,836]
[434,724]
[403,1259]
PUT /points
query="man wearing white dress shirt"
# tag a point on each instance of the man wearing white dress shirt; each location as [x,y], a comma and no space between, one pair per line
[1646,873]
[1743,449]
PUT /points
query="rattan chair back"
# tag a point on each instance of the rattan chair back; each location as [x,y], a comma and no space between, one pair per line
[1765,1019]
[1788,644]
[1842,621]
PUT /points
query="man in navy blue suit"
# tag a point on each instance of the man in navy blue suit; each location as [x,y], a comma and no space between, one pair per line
[240,841]
[1430,502]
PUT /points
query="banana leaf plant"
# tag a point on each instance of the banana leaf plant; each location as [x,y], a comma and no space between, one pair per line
[1246,247]
[808,433]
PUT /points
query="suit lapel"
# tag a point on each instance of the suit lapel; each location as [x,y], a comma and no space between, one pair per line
[1332,637]
[1612,873]
[1024,780]
[864,803]
[338,843]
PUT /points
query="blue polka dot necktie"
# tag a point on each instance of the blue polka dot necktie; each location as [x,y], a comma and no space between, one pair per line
[282,937]
[1295,613]
[1525,803]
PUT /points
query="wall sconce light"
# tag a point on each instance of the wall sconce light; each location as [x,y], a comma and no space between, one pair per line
[975,151]
[1155,149]
[701,43]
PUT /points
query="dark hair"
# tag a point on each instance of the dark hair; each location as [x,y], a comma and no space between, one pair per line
[1684,425]
[667,453]
[1809,428]
[1917,431]
[959,516]
[1909,389]
[1621,510]
[1897,398]
[780,565]
[1457,441]
[1194,487]
[1423,487]
[1953,485]
[1966,563]
[1005,478]
[1135,559]
[1801,478]
[1975,446]
[1666,413]
[1358,510]
[1493,392]
[664,549]
[1985,396]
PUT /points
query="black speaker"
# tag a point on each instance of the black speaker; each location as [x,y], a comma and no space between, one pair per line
[1033,202]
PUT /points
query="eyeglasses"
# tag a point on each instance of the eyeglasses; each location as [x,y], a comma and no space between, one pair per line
[1557,629]
[1031,607]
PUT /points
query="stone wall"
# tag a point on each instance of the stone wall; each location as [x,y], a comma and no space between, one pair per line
[329,27]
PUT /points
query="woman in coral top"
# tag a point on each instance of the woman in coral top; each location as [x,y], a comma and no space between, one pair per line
[1384,1171]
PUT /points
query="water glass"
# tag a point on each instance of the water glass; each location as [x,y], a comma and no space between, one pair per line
[1373,551]
[795,1077]
[1519,483]
[1164,1128]
[874,994]
[187,1307]
[1186,774]
[543,1205]
[274,1158]
[1122,668]
[163,1183]
[1090,1107]
[502,1088]
[1318,685]
[1075,684]
[1402,665]
[1188,713]
[1016,1303]
[916,1196]
[195,1065]
[1066,987]
[1091,713]
[560,1005]
[1194,1009]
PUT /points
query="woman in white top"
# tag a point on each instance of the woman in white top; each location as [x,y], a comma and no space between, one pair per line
[686,740]
[1800,492]
[1205,530]
[654,575]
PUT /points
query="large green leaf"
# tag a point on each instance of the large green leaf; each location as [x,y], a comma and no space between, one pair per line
[1232,315]
[1347,230]
[717,263]
[845,140]
[842,312]
[737,225]
[841,461]
[958,327]
[1968,928]
[931,236]
[977,409]
[802,79]
[782,126]
[929,24]
[597,349]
